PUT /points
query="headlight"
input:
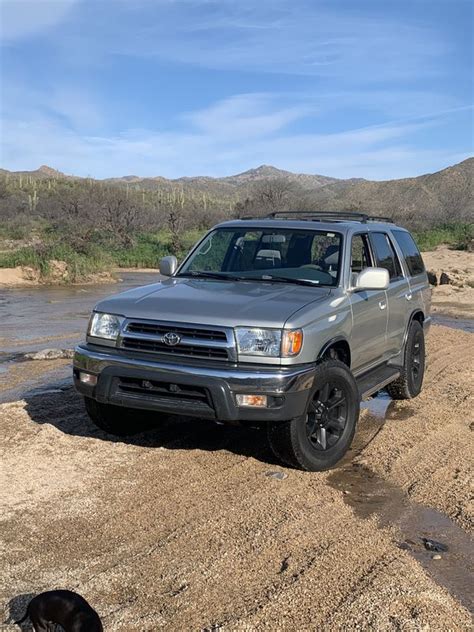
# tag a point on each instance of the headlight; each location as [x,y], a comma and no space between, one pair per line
[272,343]
[261,342]
[105,326]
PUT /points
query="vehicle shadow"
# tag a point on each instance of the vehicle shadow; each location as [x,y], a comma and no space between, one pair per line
[64,409]
[16,609]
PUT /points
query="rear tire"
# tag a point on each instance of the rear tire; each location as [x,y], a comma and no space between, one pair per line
[409,384]
[117,420]
[318,439]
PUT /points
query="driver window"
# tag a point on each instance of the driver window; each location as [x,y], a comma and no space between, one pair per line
[360,253]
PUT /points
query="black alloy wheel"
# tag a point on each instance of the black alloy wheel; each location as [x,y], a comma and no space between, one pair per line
[327,416]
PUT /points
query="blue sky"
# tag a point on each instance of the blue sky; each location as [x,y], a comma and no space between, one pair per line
[372,88]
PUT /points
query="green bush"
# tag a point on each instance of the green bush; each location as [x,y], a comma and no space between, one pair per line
[457,235]
[149,249]
[79,264]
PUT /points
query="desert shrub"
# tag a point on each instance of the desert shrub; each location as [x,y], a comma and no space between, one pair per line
[458,235]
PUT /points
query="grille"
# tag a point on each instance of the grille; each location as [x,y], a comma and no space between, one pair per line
[180,350]
[154,388]
[167,396]
[191,332]
[195,341]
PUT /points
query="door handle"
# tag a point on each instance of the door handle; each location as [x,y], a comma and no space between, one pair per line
[382,304]
[408,296]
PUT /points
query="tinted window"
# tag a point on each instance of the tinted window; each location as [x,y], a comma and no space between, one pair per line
[410,252]
[385,255]
[360,253]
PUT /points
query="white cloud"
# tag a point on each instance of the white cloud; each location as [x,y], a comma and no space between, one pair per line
[352,65]
[302,38]
[21,18]
[75,105]
[247,116]
[383,151]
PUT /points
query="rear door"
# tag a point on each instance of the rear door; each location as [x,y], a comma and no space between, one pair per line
[415,268]
[369,310]
[398,292]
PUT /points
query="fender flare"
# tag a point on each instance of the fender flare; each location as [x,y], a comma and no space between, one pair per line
[330,343]
[410,320]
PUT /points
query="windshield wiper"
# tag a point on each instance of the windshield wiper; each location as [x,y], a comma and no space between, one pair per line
[281,279]
[230,277]
[209,275]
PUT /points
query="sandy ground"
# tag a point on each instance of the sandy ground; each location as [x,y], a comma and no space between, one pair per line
[22,276]
[148,270]
[457,298]
[29,277]
[182,528]
[17,277]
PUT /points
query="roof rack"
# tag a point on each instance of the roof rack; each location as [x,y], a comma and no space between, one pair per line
[320,216]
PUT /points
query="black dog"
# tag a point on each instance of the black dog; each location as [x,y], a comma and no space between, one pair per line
[64,607]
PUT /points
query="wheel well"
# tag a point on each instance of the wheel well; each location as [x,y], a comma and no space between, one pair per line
[419,316]
[338,350]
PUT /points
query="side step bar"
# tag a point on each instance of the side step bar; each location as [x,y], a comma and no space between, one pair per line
[373,381]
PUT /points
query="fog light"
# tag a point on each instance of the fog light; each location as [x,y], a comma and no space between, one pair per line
[256,401]
[88,378]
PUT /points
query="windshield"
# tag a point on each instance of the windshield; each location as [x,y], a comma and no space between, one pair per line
[278,255]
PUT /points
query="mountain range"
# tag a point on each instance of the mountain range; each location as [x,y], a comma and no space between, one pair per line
[443,193]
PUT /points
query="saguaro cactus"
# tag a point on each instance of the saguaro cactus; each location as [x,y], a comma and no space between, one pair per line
[33,200]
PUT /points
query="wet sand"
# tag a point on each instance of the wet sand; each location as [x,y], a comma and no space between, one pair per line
[182,528]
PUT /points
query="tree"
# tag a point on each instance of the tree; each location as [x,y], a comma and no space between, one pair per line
[273,194]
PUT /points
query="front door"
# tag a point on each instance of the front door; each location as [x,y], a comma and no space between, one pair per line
[369,311]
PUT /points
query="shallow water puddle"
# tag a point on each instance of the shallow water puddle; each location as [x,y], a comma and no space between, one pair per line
[368,495]
[465,324]
[377,406]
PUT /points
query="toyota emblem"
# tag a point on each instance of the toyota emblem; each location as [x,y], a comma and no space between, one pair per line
[171,339]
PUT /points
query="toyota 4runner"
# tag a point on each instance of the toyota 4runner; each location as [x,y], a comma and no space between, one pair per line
[288,322]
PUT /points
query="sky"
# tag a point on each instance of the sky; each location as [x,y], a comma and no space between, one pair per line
[378,89]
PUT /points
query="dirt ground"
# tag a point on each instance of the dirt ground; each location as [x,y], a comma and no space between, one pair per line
[23,276]
[455,299]
[183,528]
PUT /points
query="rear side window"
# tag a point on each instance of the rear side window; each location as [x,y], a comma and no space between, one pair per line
[411,254]
[385,255]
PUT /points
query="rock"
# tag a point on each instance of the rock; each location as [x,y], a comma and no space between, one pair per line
[433,545]
[284,565]
[30,274]
[432,279]
[404,546]
[444,279]
[57,270]
[436,556]
[278,475]
[49,354]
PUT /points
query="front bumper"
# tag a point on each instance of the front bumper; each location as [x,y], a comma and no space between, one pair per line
[200,390]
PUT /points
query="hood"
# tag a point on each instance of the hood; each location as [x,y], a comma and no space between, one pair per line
[214,302]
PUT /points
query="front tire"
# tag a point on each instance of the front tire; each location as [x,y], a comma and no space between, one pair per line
[409,384]
[318,439]
[116,420]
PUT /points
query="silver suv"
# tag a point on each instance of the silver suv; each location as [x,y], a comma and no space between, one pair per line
[287,322]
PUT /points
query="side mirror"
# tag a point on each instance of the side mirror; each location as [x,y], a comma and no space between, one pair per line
[372,279]
[168,265]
